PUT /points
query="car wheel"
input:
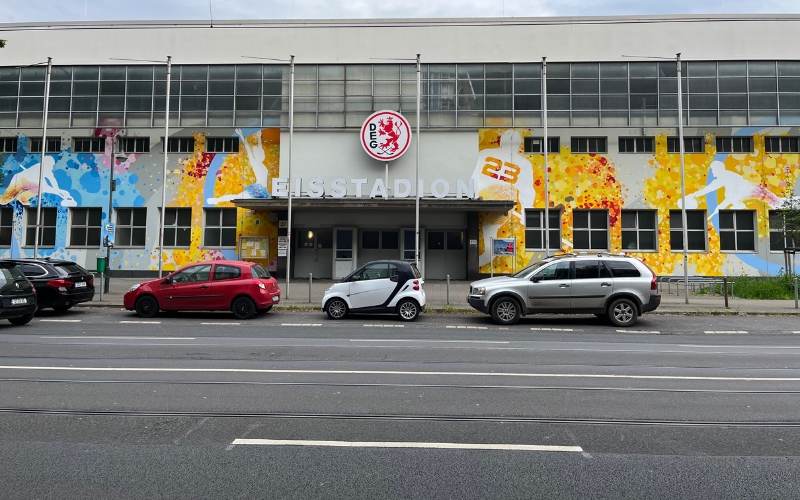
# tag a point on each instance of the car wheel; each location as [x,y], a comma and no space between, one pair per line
[336,309]
[622,312]
[505,311]
[408,310]
[146,306]
[21,320]
[62,309]
[243,308]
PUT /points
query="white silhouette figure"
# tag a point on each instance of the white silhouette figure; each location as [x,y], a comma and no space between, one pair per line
[25,185]
[737,190]
[503,167]
[256,156]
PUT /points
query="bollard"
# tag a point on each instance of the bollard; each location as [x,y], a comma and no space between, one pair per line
[310,281]
[448,289]
[795,293]
[725,285]
[101,287]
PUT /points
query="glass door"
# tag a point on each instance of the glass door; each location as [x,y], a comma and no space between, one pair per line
[408,245]
[344,252]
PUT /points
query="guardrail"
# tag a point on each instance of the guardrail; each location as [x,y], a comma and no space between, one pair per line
[695,282]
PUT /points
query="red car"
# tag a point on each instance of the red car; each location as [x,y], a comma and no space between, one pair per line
[244,288]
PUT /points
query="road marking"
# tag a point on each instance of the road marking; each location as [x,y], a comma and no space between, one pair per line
[222,323]
[724,331]
[396,372]
[301,324]
[61,320]
[143,322]
[434,341]
[796,331]
[638,331]
[113,337]
[386,326]
[400,444]
[554,329]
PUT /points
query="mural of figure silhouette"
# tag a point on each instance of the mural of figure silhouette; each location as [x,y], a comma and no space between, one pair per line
[256,156]
[737,191]
[24,185]
[503,173]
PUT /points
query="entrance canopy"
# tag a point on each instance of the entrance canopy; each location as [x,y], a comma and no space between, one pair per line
[389,205]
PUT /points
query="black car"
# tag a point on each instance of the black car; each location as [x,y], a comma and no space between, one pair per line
[59,284]
[17,296]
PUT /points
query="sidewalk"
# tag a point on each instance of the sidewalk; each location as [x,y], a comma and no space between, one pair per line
[436,292]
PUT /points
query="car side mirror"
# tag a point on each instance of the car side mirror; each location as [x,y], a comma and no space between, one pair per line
[536,279]
[395,278]
[168,281]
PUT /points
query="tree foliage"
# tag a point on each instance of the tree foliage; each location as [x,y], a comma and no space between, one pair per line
[2,43]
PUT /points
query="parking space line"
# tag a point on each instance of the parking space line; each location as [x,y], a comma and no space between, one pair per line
[407,444]
[221,323]
[61,320]
[115,337]
[386,326]
[724,331]
[553,329]
[301,324]
[143,322]
[434,341]
[638,331]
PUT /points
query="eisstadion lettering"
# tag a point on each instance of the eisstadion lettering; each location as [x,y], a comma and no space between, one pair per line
[366,188]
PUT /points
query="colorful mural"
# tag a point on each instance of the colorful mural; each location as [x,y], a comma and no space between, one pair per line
[714,181]
[198,180]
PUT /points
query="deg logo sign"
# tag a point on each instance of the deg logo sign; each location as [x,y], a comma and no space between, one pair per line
[385,135]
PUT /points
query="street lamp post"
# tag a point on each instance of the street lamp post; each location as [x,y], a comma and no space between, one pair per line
[164,174]
[114,156]
[40,197]
[416,177]
[545,149]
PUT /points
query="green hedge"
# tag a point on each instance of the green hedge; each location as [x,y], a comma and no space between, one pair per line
[750,287]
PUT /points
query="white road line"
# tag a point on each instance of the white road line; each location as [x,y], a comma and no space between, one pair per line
[638,331]
[396,372]
[434,341]
[796,331]
[724,331]
[386,326]
[222,323]
[61,320]
[301,324]
[112,337]
[553,329]
[143,322]
[400,444]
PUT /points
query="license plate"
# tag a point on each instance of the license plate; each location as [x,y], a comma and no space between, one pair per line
[80,284]
[19,301]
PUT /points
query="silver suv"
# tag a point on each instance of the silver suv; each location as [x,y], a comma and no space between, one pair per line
[616,286]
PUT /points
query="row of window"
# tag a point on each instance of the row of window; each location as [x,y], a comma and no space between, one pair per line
[470,95]
[85,225]
[773,145]
[590,230]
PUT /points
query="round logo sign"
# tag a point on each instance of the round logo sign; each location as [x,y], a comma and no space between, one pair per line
[385,135]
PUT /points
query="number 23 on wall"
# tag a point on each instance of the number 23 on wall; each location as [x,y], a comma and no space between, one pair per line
[498,169]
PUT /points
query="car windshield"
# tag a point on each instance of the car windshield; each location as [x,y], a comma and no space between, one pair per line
[528,270]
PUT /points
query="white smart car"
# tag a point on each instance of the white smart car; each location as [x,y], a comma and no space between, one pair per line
[381,286]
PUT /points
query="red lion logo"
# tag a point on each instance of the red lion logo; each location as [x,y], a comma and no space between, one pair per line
[391,130]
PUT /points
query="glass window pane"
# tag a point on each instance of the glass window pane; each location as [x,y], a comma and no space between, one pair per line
[615,70]
[726,220]
[599,240]
[370,240]
[745,241]
[647,240]
[455,240]
[697,240]
[581,240]
[744,220]
[647,219]
[435,240]
[599,219]
[390,240]
[581,219]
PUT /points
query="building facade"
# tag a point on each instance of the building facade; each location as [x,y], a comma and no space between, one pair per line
[613,164]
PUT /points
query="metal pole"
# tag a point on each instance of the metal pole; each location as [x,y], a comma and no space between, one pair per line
[544,148]
[725,284]
[289,175]
[416,177]
[39,197]
[310,282]
[164,173]
[795,293]
[448,289]
[111,189]
[683,186]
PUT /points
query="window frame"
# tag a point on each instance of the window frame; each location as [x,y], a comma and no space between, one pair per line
[35,145]
[736,231]
[222,144]
[589,229]
[541,229]
[118,226]
[130,145]
[553,145]
[728,144]
[638,230]
[673,144]
[86,226]
[640,145]
[176,227]
[30,226]
[221,227]
[94,144]
[9,145]
[770,142]
[672,217]
[188,142]
[780,231]
[600,145]
[6,212]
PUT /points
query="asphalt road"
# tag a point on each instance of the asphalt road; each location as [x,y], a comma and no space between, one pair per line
[99,403]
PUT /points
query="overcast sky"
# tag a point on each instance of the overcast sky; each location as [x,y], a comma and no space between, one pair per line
[20,11]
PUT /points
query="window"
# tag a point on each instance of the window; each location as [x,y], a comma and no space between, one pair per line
[622,269]
[778,239]
[91,145]
[781,145]
[376,272]
[734,144]
[194,273]
[47,229]
[6,226]
[557,271]
[534,229]
[220,227]
[590,229]
[225,272]
[737,230]
[134,144]
[637,145]
[639,230]
[534,145]
[33,270]
[53,145]
[259,272]
[131,227]
[180,144]
[589,145]
[445,240]
[178,227]
[590,269]
[8,145]
[690,145]
[85,227]
[222,145]
[695,230]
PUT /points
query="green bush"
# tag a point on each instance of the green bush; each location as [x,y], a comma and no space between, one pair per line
[751,287]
